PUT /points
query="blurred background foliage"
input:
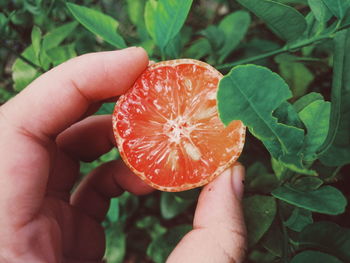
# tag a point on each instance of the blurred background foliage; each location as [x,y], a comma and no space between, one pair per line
[290,217]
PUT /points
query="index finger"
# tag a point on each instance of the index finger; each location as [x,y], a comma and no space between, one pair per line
[58,98]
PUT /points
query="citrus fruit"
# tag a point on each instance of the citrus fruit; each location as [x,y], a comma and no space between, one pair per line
[168,130]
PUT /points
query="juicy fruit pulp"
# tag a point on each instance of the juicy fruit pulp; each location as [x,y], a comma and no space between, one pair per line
[168,130]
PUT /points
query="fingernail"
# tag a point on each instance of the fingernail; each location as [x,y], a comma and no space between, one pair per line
[238,173]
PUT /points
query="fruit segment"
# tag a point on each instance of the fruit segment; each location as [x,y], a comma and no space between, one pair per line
[168,130]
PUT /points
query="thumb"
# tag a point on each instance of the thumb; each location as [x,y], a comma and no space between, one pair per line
[219,233]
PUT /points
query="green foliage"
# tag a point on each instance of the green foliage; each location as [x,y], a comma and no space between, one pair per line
[299,219]
[325,200]
[327,237]
[314,257]
[295,73]
[234,27]
[259,213]
[320,10]
[38,53]
[316,128]
[337,7]
[298,162]
[98,23]
[336,149]
[172,204]
[283,20]
[164,19]
[160,247]
[254,108]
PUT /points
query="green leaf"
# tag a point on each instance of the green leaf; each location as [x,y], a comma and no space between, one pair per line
[152,225]
[261,256]
[60,54]
[302,102]
[128,205]
[161,247]
[252,100]
[22,73]
[335,151]
[307,183]
[149,46]
[272,240]
[258,179]
[136,11]
[299,219]
[4,24]
[259,212]
[173,49]
[297,75]
[115,243]
[234,26]
[337,7]
[327,237]
[278,168]
[165,18]
[286,114]
[317,128]
[106,108]
[113,212]
[36,41]
[215,36]
[311,256]
[283,20]
[98,23]
[58,35]
[345,22]
[150,14]
[52,40]
[172,205]
[320,10]
[199,49]
[325,200]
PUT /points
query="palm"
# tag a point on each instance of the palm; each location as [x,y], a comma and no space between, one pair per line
[61,225]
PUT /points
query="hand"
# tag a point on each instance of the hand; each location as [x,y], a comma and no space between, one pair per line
[219,233]
[45,132]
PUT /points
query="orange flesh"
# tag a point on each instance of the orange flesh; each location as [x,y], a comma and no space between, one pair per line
[168,130]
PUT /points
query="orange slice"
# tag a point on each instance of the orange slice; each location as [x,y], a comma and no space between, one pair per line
[168,130]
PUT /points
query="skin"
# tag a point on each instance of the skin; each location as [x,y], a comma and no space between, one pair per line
[47,129]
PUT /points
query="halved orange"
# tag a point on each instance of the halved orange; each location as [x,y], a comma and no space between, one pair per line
[168,130]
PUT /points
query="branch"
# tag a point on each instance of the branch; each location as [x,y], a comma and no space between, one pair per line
[287,48]
[24,59]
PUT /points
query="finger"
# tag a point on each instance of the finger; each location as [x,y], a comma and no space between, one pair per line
[218,233]
[49,105]
[88,139]
[58,98]
[109,180]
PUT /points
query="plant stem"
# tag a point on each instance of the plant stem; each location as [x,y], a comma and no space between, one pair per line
[340,70]
[285,245]
[287,48]
[24,59]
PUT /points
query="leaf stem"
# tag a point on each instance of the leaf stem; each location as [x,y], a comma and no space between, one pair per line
[341,60]
[285,244]
[287,48]
[24,59]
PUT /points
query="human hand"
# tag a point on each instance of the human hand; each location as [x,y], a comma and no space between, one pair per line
[219,233]
[45,132]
